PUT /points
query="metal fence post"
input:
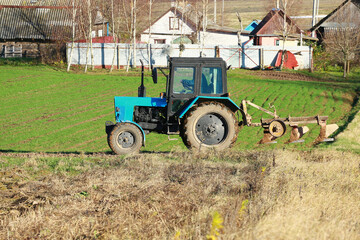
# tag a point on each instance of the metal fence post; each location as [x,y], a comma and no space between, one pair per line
[118,55]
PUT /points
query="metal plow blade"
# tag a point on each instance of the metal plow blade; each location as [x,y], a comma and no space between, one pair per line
[297,133]
[325,132]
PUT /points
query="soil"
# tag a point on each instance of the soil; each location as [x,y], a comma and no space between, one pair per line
[272,74]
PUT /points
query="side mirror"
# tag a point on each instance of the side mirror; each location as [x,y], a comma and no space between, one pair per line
[154,75]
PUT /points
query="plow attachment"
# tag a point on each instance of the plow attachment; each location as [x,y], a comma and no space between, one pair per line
[276,127]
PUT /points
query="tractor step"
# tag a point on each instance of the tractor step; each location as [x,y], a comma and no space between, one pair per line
[298,141]
[328,140]
[172,139]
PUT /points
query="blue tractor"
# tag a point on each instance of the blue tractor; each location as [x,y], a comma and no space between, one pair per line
[196,106]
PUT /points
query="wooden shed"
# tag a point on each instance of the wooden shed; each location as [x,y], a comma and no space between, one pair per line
[30,26]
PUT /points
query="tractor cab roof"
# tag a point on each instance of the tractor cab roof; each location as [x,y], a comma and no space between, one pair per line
[195,60]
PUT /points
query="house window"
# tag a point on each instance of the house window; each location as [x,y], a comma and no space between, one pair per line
[93,34]
[173,23]
[258,41]
[277,42]
[159,41]
[100,33]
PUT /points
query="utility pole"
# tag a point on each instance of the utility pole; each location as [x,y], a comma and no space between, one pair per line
[222,13]
[317,10]
[214,11]
[134,33]
[314,15]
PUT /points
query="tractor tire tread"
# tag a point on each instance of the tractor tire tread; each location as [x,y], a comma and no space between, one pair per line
[112,143]
[185,128]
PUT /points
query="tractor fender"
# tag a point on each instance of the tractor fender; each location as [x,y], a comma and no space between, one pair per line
[224,100]
[110,125]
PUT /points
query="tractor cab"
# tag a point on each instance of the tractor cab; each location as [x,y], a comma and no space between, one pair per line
[191,78]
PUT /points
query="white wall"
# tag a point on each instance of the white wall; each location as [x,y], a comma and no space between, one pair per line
[168,38]
[218,38]
[246,57]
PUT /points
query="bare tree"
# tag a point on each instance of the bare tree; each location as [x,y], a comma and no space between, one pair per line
[149,19]
[197,13]
[215,11]
[132,35]
[288,27]
[85,26]
[73,23]
[284,26]
[186,10]
[133,10]
[113,34]
[343,40]
[240,29]
[205,7]
[89,5]
[222,12]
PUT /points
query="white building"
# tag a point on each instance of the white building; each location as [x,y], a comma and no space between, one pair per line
[185,26]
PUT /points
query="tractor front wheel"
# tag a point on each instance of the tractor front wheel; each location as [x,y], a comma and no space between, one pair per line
[125,138]
[209,125]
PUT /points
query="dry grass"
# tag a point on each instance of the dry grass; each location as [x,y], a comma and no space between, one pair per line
[349,139]
[259,195]
[308,195]
[141,197]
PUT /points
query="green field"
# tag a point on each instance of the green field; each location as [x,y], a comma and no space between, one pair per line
[45,109]
[267,194]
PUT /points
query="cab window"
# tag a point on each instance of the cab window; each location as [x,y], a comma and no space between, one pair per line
[211,80]
[184,79]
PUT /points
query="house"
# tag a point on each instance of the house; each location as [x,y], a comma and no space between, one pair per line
[39,27]
[101,26]
[30,26]
[346,15]
[184,25]
[269,31]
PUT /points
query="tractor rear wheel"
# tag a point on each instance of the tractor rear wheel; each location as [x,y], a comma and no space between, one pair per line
[125,138]
[209,125]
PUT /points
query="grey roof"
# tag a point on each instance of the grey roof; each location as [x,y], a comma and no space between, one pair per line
[36,2]
[326,21]
[38,19]
[33,23]
[34,19]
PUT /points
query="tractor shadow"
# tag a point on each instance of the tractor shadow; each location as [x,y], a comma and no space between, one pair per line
[11,152]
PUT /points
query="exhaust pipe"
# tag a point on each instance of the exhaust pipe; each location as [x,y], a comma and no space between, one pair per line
[142,88]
